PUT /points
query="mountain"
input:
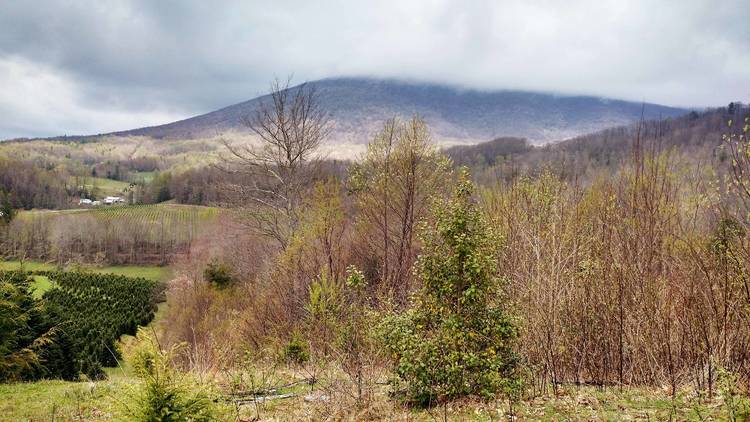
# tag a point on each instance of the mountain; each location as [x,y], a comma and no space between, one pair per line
[360,105]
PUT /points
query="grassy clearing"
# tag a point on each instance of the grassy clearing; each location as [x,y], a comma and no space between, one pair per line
[26,265]
[149,272]
[572,404]
[105,187]
[142,176]
[55,400]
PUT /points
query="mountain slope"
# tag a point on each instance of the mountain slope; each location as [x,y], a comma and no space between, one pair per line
[695,138]
[360,105]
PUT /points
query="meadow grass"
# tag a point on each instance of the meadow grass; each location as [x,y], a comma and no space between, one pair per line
[149,272]
[142,176]
[106,187]
[104,400]
[56,400]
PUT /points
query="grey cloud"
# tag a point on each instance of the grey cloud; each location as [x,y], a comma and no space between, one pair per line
[130,61]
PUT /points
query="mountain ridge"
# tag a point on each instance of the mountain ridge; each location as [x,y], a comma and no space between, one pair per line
[456,115]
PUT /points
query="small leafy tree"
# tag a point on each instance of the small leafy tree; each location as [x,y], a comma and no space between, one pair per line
[354,344]
[324,310]
[218,274]
[457,340]
[297,351]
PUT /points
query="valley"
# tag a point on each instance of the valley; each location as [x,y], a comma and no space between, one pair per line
[238,211]
[216,260]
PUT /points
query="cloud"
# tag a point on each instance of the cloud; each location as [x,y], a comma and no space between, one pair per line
[37,101]
[147,62]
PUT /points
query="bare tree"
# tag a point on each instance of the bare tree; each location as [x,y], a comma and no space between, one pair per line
[290,125]
[401,171]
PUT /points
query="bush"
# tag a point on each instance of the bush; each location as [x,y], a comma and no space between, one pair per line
[297,350]
[219,274]
[167,394]
[736,402]
[456,341]
[324,312]
[7,213]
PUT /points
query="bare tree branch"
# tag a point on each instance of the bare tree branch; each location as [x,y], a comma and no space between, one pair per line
[290,125]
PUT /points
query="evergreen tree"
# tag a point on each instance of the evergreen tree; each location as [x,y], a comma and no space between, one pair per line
[6,209]
[457,340]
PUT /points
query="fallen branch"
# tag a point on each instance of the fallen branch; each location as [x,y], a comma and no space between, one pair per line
[264,398]
[258,396]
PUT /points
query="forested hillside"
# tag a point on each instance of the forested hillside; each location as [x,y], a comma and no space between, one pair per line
[695,137]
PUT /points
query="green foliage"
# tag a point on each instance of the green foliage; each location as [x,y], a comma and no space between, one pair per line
[167,394]
[19,355]
[219,274]
[32,345]
[325,299]
[736,403]
[94,310]
[297,350]
[7,212]
[324,309]
[355,278]
[456,341]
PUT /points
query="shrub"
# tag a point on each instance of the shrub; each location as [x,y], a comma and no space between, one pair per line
[297,350]
[219,274]
[7,212]
[736,402]
[324,311]
[167,394]
[456,341]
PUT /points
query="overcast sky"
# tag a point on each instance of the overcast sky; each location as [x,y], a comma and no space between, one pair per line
[75,67]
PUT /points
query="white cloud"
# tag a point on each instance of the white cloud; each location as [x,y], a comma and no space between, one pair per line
[39,101]
[137,58]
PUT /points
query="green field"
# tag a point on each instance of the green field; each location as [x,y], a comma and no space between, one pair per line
[56,400]
[101,186]
[42,284]
[142,176]
[150,272]
[155,213]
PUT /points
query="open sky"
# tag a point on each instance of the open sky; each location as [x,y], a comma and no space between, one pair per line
[81,67]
